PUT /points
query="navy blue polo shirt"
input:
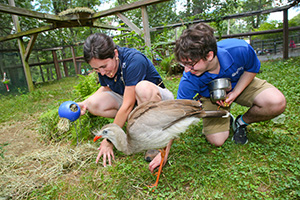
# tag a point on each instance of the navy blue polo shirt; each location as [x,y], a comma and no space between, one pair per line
[133,67]
[235,56]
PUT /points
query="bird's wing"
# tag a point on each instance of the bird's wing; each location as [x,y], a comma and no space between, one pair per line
[154,124]
[148,124]
[163,114]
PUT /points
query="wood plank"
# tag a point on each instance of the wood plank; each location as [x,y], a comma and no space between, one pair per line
[28,13]
[30,46]
[125,7]
[56,65]
[22,51]
[146,26]
[109,27]
[235,16]
[29,32]
[129,23]
[74,60]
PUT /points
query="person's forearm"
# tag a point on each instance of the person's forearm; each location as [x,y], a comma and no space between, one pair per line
[122,115]
[243,82]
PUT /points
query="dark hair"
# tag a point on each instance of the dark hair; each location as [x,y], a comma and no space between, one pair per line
[98,45]
[195,43]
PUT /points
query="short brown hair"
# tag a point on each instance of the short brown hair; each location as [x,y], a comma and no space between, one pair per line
[195,43]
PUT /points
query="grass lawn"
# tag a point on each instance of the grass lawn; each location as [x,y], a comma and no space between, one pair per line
[53,167]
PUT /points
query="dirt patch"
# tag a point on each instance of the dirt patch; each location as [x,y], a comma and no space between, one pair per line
[29,164]
[22,137]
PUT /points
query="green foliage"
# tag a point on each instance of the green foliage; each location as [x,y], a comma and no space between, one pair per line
[168,63]
[14,106]
[295,21]
[266,168]
[87,85]
[269,26]
[274,24]
[82,127]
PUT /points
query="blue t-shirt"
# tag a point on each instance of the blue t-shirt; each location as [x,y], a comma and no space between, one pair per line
[235,56]
[133,67]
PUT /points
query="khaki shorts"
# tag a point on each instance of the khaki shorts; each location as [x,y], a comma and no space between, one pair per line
[246,98]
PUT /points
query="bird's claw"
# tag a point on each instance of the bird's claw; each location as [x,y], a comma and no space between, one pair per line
[154,186]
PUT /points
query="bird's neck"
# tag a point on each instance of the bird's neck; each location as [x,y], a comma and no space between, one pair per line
[121,142]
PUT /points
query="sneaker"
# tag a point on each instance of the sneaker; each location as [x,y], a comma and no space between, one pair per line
[240,133]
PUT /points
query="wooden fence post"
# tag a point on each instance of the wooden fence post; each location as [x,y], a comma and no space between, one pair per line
[56,65]
[22,51]
[285,35]
[74,59]
[146,26]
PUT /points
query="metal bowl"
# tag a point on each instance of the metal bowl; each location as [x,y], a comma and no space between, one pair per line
[221,83]
[217,95]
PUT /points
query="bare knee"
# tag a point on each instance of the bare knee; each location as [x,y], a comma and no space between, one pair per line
[146,91]
[281,104]
[277,105]
[218,139]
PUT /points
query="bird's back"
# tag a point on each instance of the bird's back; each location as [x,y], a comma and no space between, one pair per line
[156,123]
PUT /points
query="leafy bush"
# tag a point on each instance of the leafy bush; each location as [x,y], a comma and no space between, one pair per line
[50,120]
[87,85]
[82,127]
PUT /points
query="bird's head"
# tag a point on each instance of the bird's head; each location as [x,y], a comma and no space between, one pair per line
[108,131]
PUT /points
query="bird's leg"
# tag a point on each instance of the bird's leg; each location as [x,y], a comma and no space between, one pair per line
[162,153]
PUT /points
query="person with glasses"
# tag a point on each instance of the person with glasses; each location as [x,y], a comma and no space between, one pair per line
[204,59]
[126,77]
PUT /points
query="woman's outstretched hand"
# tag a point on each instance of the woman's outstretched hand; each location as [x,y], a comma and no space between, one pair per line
[106,149]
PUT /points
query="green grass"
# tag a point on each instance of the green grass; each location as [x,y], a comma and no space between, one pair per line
[268,167]
[46,96]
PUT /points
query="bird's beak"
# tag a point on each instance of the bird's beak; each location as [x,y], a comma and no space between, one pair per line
[97,138]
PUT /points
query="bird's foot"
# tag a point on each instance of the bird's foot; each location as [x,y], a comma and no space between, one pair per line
[155,173]
[154,186]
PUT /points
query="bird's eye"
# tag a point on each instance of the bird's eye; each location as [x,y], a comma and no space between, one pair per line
[105,131]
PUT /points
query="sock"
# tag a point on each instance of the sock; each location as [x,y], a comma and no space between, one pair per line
[241,121]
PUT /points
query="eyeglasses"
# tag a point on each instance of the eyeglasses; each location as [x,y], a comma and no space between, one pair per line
[189,64]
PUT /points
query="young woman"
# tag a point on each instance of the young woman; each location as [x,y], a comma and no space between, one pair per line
[126,76]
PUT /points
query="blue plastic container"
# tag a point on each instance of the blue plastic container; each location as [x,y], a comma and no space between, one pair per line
[65,111]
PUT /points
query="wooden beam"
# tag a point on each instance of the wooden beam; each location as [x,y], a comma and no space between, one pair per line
[22,51]
[40,67]
[52,18]
[260,32]
[125,7]
[235,16]
[107,26]
[56,65]
[53,48]
[146,26]
[295,28]
[30,46]
[74,60]
[29,32]
[64,63]
[78,59]
[129,23]
[28,13]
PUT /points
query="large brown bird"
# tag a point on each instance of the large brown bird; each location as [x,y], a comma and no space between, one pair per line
[152,125]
